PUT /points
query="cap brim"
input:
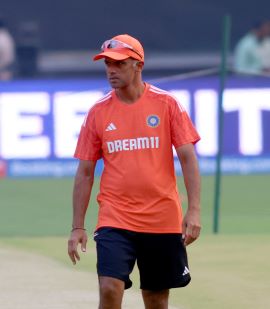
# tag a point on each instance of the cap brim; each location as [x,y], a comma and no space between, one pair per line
[112,55]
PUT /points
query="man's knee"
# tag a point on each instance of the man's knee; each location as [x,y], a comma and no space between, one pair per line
[156,299]
[111,289]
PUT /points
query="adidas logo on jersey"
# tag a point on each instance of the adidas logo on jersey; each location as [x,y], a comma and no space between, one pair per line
[186,271]
[111,127]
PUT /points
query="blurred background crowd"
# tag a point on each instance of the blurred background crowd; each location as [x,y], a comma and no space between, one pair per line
[56,39]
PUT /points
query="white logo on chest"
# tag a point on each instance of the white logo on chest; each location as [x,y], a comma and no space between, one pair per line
[133,144]
[111,127]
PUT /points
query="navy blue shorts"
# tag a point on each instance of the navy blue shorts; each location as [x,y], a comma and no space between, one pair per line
[161,258]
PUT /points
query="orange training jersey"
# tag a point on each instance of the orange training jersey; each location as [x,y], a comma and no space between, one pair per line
[138,190]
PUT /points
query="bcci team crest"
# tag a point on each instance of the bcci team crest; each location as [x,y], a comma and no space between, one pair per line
[153,121]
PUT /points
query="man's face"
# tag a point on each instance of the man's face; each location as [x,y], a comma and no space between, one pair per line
[120,73]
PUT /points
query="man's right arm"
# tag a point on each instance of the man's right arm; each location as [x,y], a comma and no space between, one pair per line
[83,184]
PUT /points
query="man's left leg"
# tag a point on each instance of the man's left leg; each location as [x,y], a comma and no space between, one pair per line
[155,299]
[162,263]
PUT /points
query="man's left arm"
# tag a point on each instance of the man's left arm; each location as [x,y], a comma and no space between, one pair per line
[191,222]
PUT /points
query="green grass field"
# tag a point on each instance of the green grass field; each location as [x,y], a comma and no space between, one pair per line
[229,270]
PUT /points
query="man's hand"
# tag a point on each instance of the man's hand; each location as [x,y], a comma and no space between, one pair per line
[191,226]
[77,236]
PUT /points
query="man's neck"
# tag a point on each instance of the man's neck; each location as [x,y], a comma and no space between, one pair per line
[131,93]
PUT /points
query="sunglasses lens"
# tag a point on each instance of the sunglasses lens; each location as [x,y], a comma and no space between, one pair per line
[112,44]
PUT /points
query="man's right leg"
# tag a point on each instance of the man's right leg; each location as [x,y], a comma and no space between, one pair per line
[116,256]
[111,292]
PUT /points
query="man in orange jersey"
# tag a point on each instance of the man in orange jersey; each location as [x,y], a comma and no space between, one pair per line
[133,129]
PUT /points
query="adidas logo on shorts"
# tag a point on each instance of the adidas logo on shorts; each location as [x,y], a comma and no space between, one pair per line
[186,271]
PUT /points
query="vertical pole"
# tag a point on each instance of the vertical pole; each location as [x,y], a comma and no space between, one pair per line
[222,78]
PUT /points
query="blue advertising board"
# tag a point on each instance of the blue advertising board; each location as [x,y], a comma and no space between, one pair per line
[40,122]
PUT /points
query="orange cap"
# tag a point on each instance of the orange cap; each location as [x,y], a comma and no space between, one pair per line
[122,52]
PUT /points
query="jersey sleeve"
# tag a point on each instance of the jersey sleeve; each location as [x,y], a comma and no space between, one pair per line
[89,143]
[182,129]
